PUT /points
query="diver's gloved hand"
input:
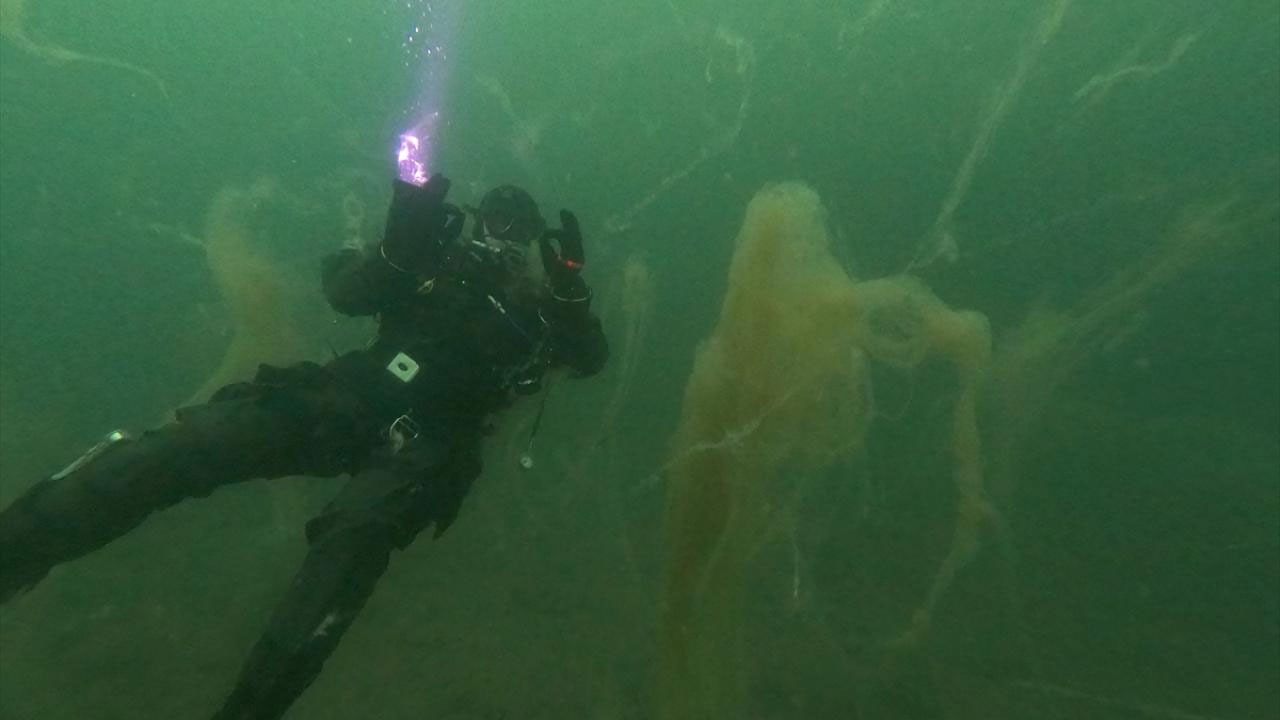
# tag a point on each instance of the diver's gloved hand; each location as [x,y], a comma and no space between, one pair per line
[564,265]
[420,224]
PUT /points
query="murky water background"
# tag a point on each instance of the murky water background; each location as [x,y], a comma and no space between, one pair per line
[1101,181]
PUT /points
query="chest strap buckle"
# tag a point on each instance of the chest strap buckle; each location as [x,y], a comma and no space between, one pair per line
[402,430]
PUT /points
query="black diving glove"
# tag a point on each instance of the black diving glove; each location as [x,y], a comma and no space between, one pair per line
[420,226]
[564,265]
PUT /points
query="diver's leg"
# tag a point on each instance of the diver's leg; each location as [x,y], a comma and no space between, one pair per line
[68,515]
[382,508]
[335,580]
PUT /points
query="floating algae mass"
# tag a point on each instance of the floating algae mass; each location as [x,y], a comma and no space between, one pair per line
[779,391]
[782,390]
[249,285]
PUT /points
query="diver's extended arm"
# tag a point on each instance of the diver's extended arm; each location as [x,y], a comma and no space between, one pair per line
[420,227]
[577,339]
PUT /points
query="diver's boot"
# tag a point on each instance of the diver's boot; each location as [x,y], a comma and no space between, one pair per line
[66,515]
[109,492]
[104,494]
[115,486]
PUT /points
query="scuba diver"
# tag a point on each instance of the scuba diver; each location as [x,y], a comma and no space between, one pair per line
[465,325]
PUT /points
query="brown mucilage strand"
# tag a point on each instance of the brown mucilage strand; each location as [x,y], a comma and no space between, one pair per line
[13,28]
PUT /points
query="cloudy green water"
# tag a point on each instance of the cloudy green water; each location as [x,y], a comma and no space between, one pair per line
[1137,570]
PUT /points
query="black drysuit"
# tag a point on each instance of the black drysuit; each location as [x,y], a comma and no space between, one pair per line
[403,417]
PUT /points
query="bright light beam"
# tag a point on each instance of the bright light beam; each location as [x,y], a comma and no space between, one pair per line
[431,25]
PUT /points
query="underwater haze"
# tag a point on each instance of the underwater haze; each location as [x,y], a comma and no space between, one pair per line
[1036,476]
